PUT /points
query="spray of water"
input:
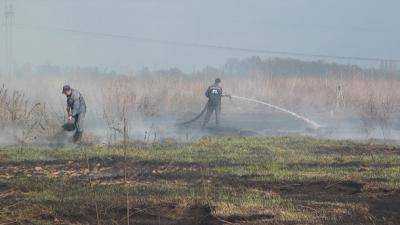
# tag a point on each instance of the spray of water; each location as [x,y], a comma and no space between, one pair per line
[313,124]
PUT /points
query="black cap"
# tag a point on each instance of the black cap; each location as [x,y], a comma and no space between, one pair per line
[217,80]
[66,88]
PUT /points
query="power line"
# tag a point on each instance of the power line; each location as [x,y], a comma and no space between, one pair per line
[202,45]
[8,28]
[315,26]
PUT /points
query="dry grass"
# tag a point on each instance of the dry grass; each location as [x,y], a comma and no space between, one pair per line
[373,102]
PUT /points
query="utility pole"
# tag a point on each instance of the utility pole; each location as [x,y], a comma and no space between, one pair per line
[8,29]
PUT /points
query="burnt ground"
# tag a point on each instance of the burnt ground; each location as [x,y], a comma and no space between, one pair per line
[93,187]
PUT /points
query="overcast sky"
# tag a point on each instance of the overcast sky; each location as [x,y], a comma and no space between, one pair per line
[366,28]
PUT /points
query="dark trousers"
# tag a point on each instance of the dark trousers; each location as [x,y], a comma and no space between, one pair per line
[79,122]
[210,110]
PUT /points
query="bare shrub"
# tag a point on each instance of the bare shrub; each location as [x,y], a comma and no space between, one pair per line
[118,109]
[26,121]
[386,114]
[368,113]
[377,111]
[38,123]
[13,105]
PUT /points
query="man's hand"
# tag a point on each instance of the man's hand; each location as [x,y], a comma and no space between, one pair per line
[69,118]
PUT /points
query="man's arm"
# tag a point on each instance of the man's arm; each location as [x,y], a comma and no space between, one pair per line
[225,95]
[69,108]
[76,104]
[207,94]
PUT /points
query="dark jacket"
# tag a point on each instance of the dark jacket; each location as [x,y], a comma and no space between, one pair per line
[214,94]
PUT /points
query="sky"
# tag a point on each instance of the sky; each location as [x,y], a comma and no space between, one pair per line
[364,28]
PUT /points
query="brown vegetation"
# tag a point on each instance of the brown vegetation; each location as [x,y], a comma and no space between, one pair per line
[370,102]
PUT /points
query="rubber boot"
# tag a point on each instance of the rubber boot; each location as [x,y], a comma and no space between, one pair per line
[77,137]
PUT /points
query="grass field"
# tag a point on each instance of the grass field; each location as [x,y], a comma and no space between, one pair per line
[229,180]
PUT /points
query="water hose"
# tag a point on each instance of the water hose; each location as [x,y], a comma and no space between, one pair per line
[197,117]
[314,124]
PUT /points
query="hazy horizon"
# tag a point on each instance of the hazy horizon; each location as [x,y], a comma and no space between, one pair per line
[347,28]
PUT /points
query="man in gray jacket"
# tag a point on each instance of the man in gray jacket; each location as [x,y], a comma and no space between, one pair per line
[76,110]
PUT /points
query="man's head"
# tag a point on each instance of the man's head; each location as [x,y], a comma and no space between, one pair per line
[217,81]
[66,90]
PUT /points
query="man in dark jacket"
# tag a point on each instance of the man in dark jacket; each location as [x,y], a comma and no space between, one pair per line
[76,110]
[214,94]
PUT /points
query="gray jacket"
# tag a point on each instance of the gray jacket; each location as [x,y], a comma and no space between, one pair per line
[76,103]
